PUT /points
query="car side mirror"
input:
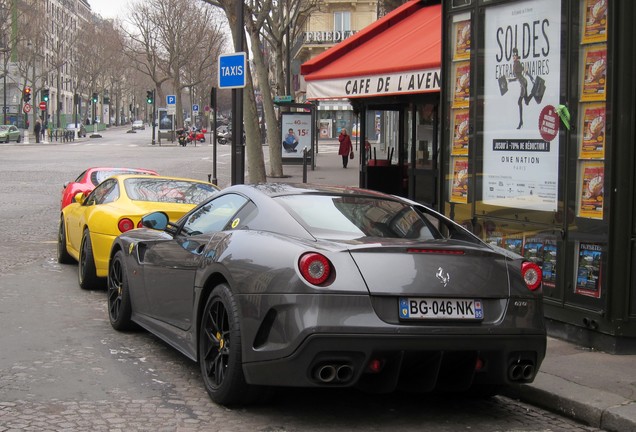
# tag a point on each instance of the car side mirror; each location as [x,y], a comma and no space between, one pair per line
[156,220]
[79,197]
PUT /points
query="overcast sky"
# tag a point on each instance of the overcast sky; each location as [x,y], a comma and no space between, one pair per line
[109,8]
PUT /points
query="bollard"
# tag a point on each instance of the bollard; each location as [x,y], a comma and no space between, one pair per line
[305,165]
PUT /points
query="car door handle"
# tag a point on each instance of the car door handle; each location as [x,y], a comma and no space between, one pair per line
[200,249]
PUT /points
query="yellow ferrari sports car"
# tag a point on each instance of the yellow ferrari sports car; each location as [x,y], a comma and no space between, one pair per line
[89,225]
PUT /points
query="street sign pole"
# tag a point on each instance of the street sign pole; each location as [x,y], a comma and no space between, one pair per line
[213,105]
[154,113]
[238,149]
[232,75]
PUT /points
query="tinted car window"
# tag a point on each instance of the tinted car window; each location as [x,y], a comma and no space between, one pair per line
[349,217]
[106,192]
[214,215]
[167,190]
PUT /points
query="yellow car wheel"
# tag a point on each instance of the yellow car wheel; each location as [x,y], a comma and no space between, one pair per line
[63,257]
[86,267]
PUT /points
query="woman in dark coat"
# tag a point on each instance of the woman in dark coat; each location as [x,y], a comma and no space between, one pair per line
[345,147]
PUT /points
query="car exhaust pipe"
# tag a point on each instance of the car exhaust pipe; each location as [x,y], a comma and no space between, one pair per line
[344,373]
[326,373]
[528,371]
[515,372]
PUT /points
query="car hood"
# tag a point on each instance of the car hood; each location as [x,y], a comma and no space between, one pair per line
[439,268]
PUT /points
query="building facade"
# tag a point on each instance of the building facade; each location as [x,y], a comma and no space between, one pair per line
[40,57]
[333,22]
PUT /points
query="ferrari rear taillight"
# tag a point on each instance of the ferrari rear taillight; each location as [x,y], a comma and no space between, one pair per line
[531,275]
[125,225]
[314,267]
[140,224]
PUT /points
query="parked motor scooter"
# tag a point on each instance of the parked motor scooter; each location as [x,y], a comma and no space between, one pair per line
[223,137]
[182,137]
[197,135]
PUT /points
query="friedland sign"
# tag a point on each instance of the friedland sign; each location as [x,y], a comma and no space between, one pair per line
[327,36]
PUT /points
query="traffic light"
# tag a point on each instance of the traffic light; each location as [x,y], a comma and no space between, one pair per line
[45,95]
[95,98]
[26,94]
[150,97]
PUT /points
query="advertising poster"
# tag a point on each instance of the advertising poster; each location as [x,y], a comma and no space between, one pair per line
[588,275]
[166,121]
[514,243]
[461,94]
[591,186]
[595,25]
[296,133]
[549,263]
[459,188]
[533,250]
[461,43]
[460,132]
[522,68]
[594,70]
[593,127]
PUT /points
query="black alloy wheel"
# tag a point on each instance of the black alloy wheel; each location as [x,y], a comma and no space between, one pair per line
[220,350]
[63,257]
[119,306]
[87,274]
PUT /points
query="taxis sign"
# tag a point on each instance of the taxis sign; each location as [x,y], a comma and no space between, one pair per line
[232,69]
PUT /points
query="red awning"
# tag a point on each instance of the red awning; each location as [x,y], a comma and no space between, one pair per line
[398,54]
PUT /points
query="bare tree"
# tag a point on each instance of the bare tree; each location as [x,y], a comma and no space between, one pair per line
[255,159]
[175,42]
[28,48]
[280,29]
[270,25]
[142,46]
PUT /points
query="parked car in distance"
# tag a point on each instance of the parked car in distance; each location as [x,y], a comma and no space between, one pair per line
[10,133]
[329,287]
[78,128]
[87,180]
[138,124]
[89,225]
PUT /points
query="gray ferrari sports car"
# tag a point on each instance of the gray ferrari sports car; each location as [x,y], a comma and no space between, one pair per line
[318,286]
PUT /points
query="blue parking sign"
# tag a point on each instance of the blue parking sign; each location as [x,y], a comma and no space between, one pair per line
[232,70]
[171,100]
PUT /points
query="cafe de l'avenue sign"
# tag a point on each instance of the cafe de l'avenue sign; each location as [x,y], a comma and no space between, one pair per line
[417,81]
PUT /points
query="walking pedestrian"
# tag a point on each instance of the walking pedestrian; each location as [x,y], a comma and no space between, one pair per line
[346,148]
[36,130]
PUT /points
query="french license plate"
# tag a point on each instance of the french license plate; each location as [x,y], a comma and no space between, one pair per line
[440,308]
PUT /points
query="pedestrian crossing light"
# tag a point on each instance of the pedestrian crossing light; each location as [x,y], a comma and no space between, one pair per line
[45,95]
[94,98]
[149,97]
[26,94]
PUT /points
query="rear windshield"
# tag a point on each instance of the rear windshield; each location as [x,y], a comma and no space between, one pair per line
[349,217]
[165,190]
[99,176]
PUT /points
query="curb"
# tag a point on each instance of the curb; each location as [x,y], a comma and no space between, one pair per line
[593,407]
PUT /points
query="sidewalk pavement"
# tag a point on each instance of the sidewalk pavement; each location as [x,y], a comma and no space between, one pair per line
[593,387]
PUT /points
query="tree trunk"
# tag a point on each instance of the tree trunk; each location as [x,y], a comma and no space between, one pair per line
[274,137]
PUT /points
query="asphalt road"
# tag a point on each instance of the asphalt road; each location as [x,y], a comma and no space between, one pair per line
[62,367]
